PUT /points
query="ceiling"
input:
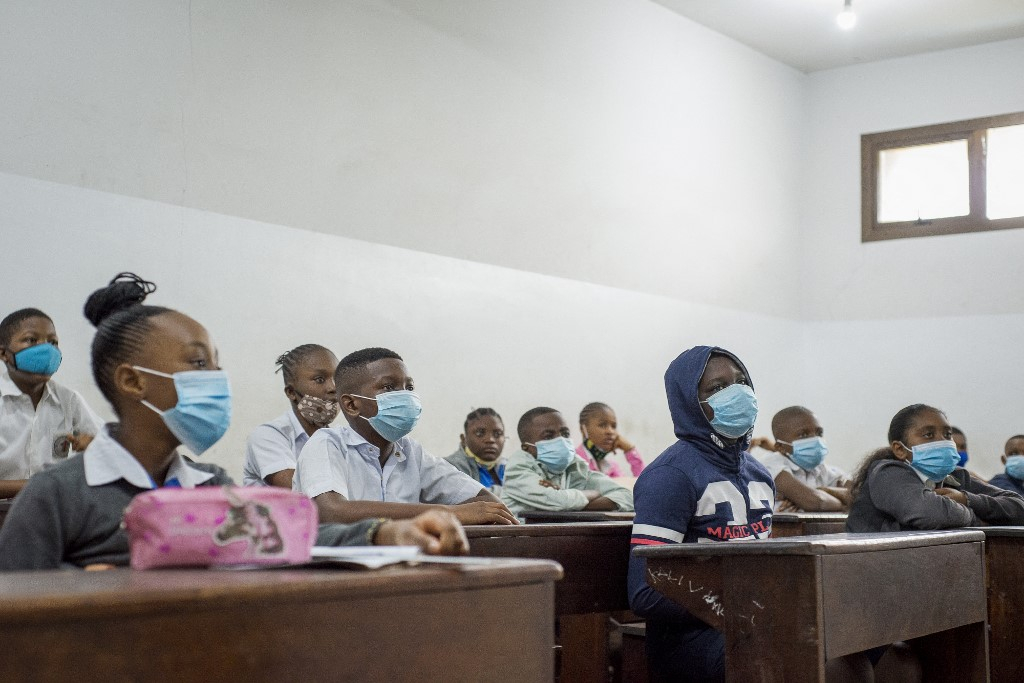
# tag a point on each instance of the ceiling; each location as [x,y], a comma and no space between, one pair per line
[804,34]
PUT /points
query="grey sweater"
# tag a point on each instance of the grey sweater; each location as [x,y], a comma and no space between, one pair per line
[59,520]
[893,498]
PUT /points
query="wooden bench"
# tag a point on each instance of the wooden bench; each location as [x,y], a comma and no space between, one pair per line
[1004,561]
[786,605]
[595,559]
[786,524]
[574,516]
[392,624]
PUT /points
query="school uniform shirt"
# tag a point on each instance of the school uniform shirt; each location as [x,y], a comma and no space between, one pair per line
[822,475]
[699,490]
[273,447]
[613,464]
[71,513]
[338,459]
[523,490]
[897,497]
[489,479]
[1007,483]
[34,437]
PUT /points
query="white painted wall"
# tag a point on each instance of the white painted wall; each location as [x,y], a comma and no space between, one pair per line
[934,320]
[472,334]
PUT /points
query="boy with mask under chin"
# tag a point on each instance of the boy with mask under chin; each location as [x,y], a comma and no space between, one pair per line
[548,475]
[371,468]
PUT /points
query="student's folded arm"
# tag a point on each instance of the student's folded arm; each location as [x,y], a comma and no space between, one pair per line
[9,488]
[635,460]
[805,497]
[334,508]
[271,453]
[994,505]
[522,486]
[484,495]
[896,490]
[32,536]
[665,505]
[606,486]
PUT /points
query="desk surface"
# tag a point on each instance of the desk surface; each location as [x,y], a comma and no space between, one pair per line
[1000,531]
[814,517]
[553,517]
[273,625]
[830,544]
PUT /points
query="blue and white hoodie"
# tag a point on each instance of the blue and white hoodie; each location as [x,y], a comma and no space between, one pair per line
[699,490]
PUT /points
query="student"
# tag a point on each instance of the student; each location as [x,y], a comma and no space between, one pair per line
[480,446]
[704,487]
[548,475]
[270,452]
[371,468]
[41,421]
[159,370]
[914,483]
[960,439]
[803,481]
[601,438]
[1012,479]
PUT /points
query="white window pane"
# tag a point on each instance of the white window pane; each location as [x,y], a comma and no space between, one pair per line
[923,181]
[1005,172]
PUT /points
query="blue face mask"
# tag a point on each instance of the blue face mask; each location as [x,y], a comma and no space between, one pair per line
[1015,466]
[203,411]
[397,413]
[735,410]
[555,454]
[808,453]
[41,359]
[963,458]
[935,459]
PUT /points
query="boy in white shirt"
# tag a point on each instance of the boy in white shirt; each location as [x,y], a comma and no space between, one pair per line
[371,468]
[803,481]
[40,420]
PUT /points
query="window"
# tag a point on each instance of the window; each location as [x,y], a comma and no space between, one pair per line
[940,180]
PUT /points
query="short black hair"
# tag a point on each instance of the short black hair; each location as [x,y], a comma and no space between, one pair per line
[9,325]
[287,361]
[527,418]
[477,414]
[350,368]
[787,414]
[957,430]
[122,322]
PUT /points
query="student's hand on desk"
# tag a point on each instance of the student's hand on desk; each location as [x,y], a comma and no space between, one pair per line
[840,492]
[954,495]
[622,444]
[762,442]
[483,512]
[79,442]
[435,532]
[549,484]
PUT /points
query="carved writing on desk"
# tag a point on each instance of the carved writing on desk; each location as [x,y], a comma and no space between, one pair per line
[713,600]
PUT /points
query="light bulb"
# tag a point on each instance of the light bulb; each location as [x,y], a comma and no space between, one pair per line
[846,19]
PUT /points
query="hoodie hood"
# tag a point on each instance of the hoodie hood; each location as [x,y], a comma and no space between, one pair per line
[691,425]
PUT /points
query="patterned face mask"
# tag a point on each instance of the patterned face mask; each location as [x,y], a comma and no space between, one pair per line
[318,411]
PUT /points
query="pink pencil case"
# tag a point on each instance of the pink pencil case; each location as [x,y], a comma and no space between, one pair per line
[211,525]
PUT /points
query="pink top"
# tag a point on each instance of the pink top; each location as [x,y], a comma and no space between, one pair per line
[609,466]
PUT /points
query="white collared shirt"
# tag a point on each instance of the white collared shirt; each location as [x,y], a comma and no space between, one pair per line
[272,447]
[33,437]
[106,461]
[338,459]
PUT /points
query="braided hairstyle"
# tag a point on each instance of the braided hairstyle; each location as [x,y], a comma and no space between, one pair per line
[898,428]
[122,322]
[289,360]
[477,414]
[592,409]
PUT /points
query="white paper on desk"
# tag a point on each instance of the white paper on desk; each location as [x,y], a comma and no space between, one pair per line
[369,556]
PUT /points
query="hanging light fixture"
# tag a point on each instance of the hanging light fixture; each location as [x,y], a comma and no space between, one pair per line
[847,19]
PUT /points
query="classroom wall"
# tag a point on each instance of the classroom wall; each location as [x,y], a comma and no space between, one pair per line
[933,319]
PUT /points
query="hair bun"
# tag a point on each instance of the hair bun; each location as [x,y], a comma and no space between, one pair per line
[124,291]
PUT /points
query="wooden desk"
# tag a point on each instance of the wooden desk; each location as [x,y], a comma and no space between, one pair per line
[280,625]
[828,596]
[786,524]
[595,559]
[1004,560]
[574,516]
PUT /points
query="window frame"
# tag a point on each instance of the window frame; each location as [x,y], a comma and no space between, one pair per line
[973,131]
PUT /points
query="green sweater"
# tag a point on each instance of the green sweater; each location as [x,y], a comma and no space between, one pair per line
[522,489]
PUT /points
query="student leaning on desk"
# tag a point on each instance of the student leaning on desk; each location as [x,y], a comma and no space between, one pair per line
[159,369]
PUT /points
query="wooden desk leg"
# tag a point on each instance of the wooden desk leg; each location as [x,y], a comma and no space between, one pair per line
[773,620]
[959,654]
[1005,618]
[584,640]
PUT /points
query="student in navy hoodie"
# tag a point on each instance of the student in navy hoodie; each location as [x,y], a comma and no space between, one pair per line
[704,487]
